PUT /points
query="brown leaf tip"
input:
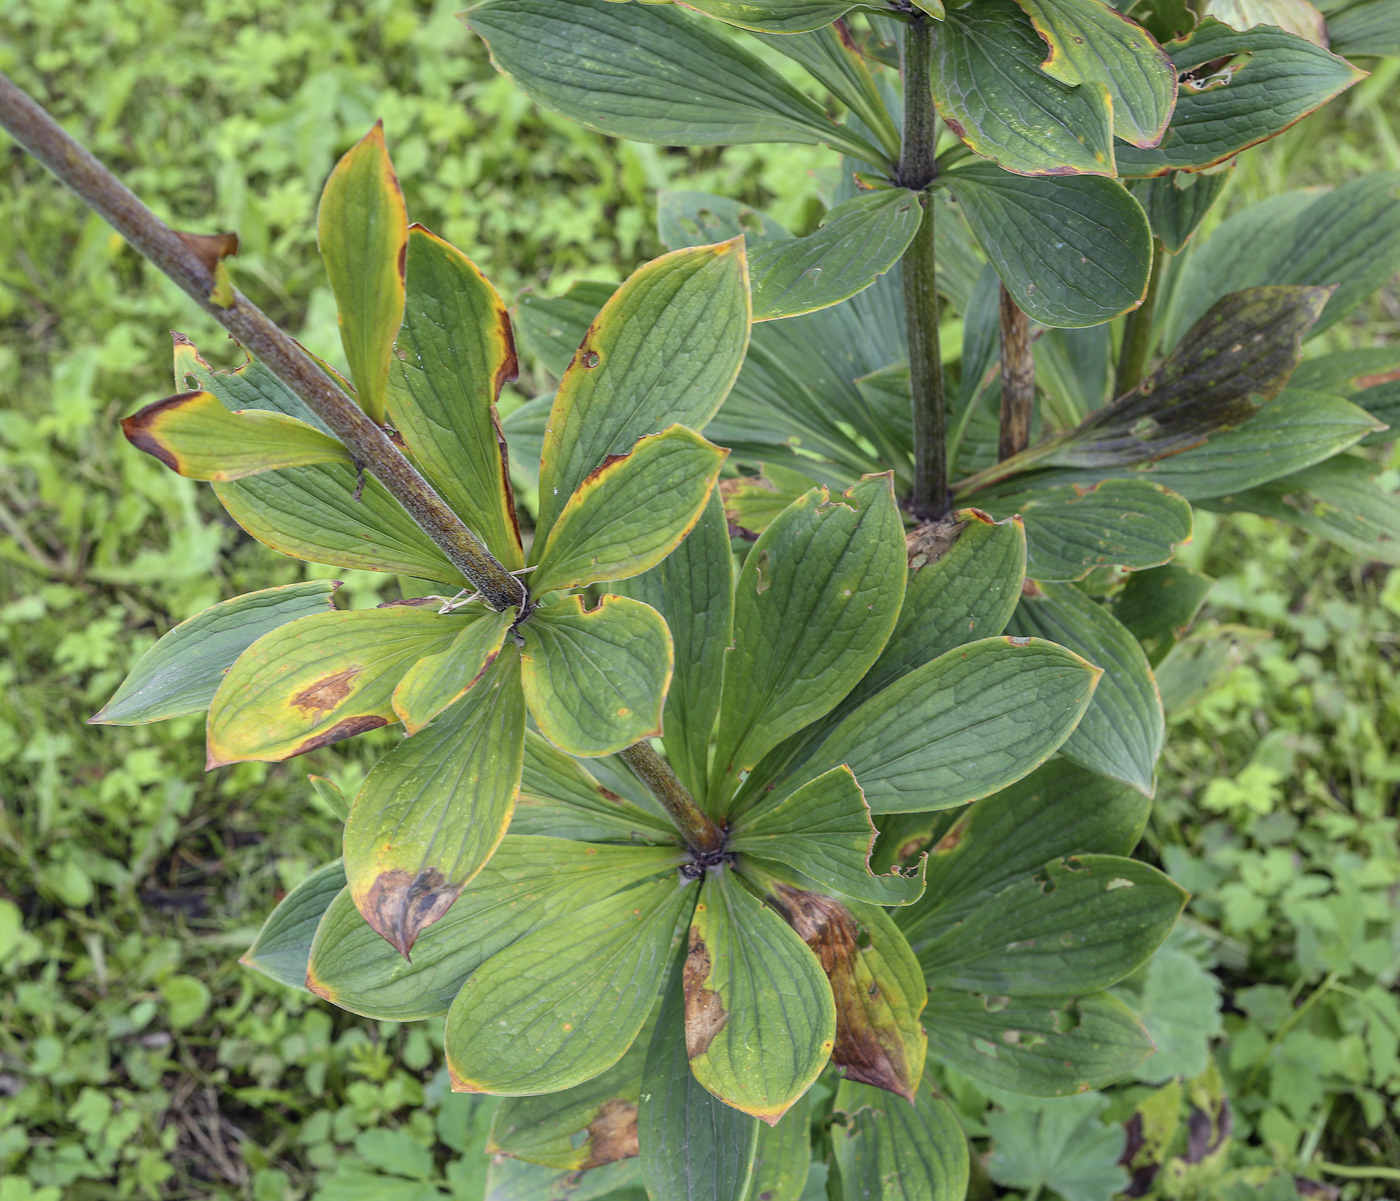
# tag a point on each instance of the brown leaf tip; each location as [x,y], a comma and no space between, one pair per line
[399,906]
[141,427]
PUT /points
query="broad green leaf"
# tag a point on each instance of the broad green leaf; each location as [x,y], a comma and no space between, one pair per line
[1368,27]
[884,1147]
[437,681]
[1061,1145]
[431,812]
[1202,661]
[564,1003]
[1093,43]
[1292,16]
[1122,732]
[1079,924]
[579,1129]
[989,87]
[875,980]
[550,328]
[1158,606]
[631,512]
[1072,530]
[182,672]
[664,350]
[527,885]
[595,679]
[362,228]
[824,830]
[685,219]
[1071,251]
[1178,1000]
[693,1145]
[510,1179]
[815,603]
[693,589]
[1339,500]
[558,796]
[857,242]
[319,680]
[961,727]
[1343,372]
[774,16]
[981,348]
[194,435]
[650,73]
[1038,1046]
[454,353]
[784,1157]
[1177,203]
[1269,80]
[283,945]
[760,1021]
[1348,238]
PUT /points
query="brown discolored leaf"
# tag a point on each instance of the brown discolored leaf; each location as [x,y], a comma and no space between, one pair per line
[705,1014]
[400,904]
[612,1135]
[210,249]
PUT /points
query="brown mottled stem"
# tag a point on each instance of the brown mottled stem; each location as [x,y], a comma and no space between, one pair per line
[1017,379]
[1137,332]
[700,833]
[917,169]
[32,127]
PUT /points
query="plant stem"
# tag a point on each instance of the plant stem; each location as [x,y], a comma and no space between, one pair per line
[1339,1169]
[1137,331]
[1017,379]
[917,170]
[701,834]
[32,127]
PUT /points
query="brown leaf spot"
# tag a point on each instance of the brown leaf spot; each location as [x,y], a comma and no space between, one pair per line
[928,543]
[325,694]
[705,1015]
[342,730]
[398,905]
[950,840]
[612,1134]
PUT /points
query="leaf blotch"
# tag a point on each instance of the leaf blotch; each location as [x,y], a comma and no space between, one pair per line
[612,1134]
[399,904]
[705,1015]
[327,693]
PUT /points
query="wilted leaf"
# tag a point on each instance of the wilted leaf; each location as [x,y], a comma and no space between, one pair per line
[283,945]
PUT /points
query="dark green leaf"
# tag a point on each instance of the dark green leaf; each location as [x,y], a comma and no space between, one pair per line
[1040,1046]
[283,945]
[1121,735]
[1383,403]
[989,87]
[510,1179]
[701,218]
[1071,252]
[774,16]
[650,73]
[1177,203]
[1202,661]
[784,1157]
[1269,80]
[1369,27]
[884,1147]
[181,673]
[1343,372]
[1158,606]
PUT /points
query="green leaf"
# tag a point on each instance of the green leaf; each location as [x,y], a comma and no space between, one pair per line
[1178,1001]
[816,600]
[454,353]
[630,513]
[784,1157]
[435,682]
[1270,80]
[989,87]
[1177,203]
[1071,530]
[693,589]
[823,829]
[318,680]
[693,1145]
[550,328]
[431,812]
[875,980]
[362,227]
[1071,251]
[664,350]
[1093,43]
[1348,238]
[1060,1145]
[774,16]
[961,727]
[283,945]
[516,1180]
[685,219]
[194,435]
[579,1129]
[595,679]
[857,242]
[1383,403]
[1158,606]
[1292,16]
[1338,500]
[1369,27]
[1344,372]
[890,1149]
[760,1021]
[1079,924]
[650,73]
[182,672]
[251,386]
[1122,732]
[564,1003]
[1038,1046]
[559,797]
[529,884]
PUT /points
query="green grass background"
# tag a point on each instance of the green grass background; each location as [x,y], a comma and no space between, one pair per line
[137,1059]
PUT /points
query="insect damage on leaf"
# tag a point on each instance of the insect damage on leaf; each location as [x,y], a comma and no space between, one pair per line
[705,1015]
[399,904]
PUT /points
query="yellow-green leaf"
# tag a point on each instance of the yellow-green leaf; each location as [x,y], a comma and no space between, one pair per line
[437,681]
